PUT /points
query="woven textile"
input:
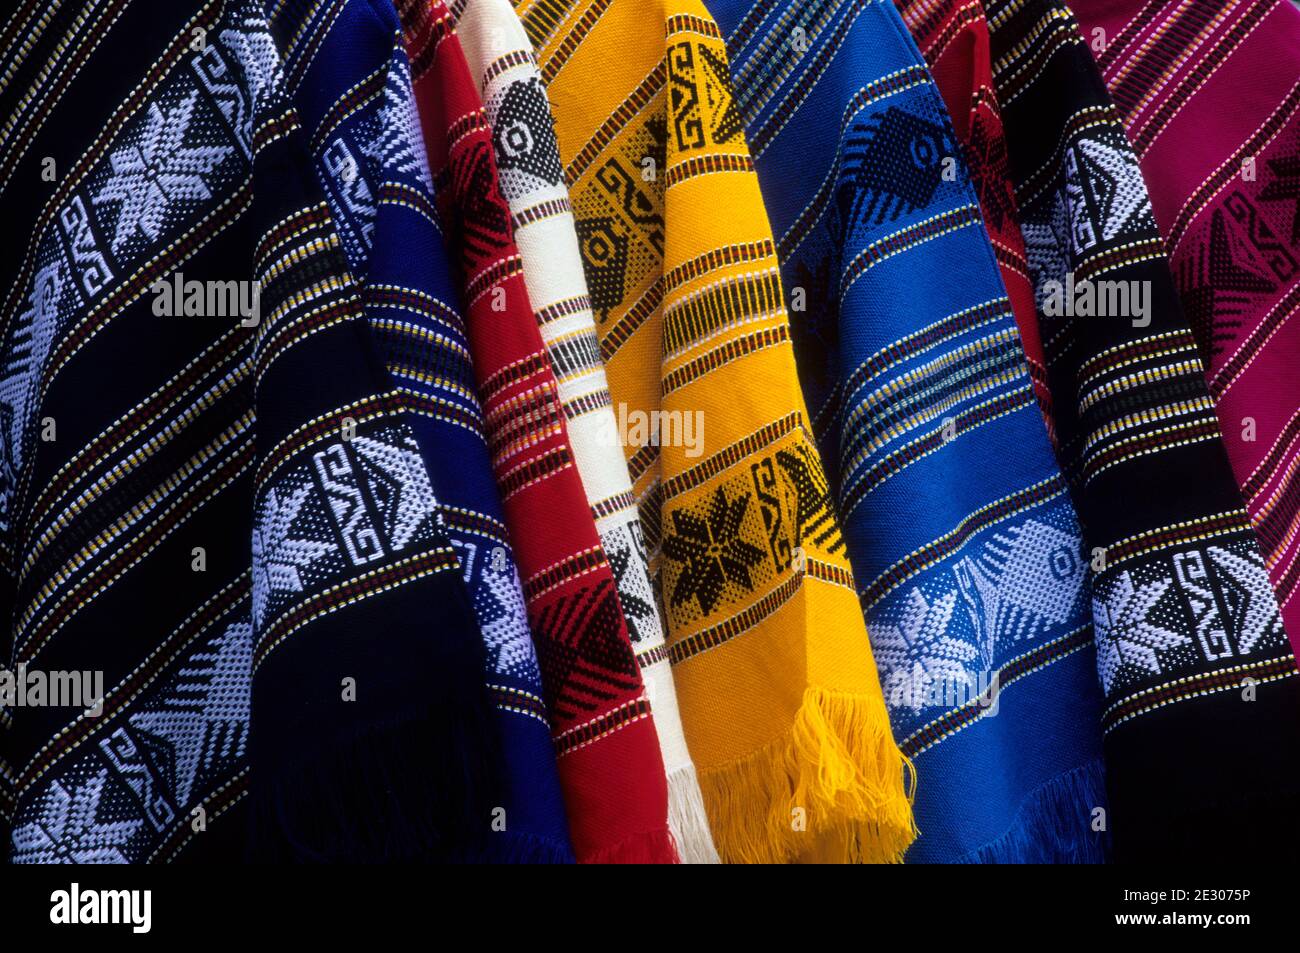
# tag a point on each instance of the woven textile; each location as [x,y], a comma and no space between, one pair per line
[347,67]
[965,546]
[532,181]
[220,582]
[1210,96]
[779,696]
[609,760]
[1191,650]
[954,39]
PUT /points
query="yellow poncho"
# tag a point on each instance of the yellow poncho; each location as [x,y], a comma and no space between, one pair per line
[778,691]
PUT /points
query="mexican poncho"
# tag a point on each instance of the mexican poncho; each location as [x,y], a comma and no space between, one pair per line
[246,547]
[1218,137]
[1191,651]
[346,65]
[965,545]
[610,766]
[532,181]
[778,693]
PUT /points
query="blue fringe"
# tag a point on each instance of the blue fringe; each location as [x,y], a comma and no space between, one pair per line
[1054,824]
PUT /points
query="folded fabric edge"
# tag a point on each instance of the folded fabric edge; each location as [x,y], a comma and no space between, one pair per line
[834,782]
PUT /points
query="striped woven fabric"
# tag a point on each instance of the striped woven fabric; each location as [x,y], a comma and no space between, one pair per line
[1191,650]
[965,545]
[954,39]
[130,541]
[347,67]
[532,181]
[779,697]
[1210,96]
[609,761]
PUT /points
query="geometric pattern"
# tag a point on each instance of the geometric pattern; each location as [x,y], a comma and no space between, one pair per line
[1101,199]
[892,165]
[1218,285]
[146,772]
[63,828]
[354,502]
[585,662]
[944,637]
[1176,614]
[524,138]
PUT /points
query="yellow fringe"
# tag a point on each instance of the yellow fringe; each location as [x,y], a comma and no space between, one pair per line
[839,763]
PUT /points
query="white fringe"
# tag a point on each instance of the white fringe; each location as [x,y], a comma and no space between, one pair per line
[687,818]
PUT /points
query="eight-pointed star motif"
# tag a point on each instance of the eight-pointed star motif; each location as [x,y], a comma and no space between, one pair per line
[917,654]
[278,557]
[66,830]
[1125,636]
[157,170]
[712,550]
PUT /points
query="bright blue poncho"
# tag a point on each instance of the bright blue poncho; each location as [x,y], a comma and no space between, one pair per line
[965,546]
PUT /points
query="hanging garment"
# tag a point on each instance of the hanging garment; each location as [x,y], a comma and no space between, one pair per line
[1191,651]
[779,695]
[954,39]
[1210,96]
[347,69]
[210,493]
[964,543]
[609,761]
[532,181]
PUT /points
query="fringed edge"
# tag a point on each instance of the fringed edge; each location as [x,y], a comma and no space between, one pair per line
[1053,824]
[687,818]
[650,847]
[412,787]
[511,847]
[839,764]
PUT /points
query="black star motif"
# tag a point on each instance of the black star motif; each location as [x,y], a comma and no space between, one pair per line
[712,550]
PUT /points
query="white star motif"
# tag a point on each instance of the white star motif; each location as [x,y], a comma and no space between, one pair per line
[918,654]
[1124,635]
[66,831]
[277,556]
[157,170]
